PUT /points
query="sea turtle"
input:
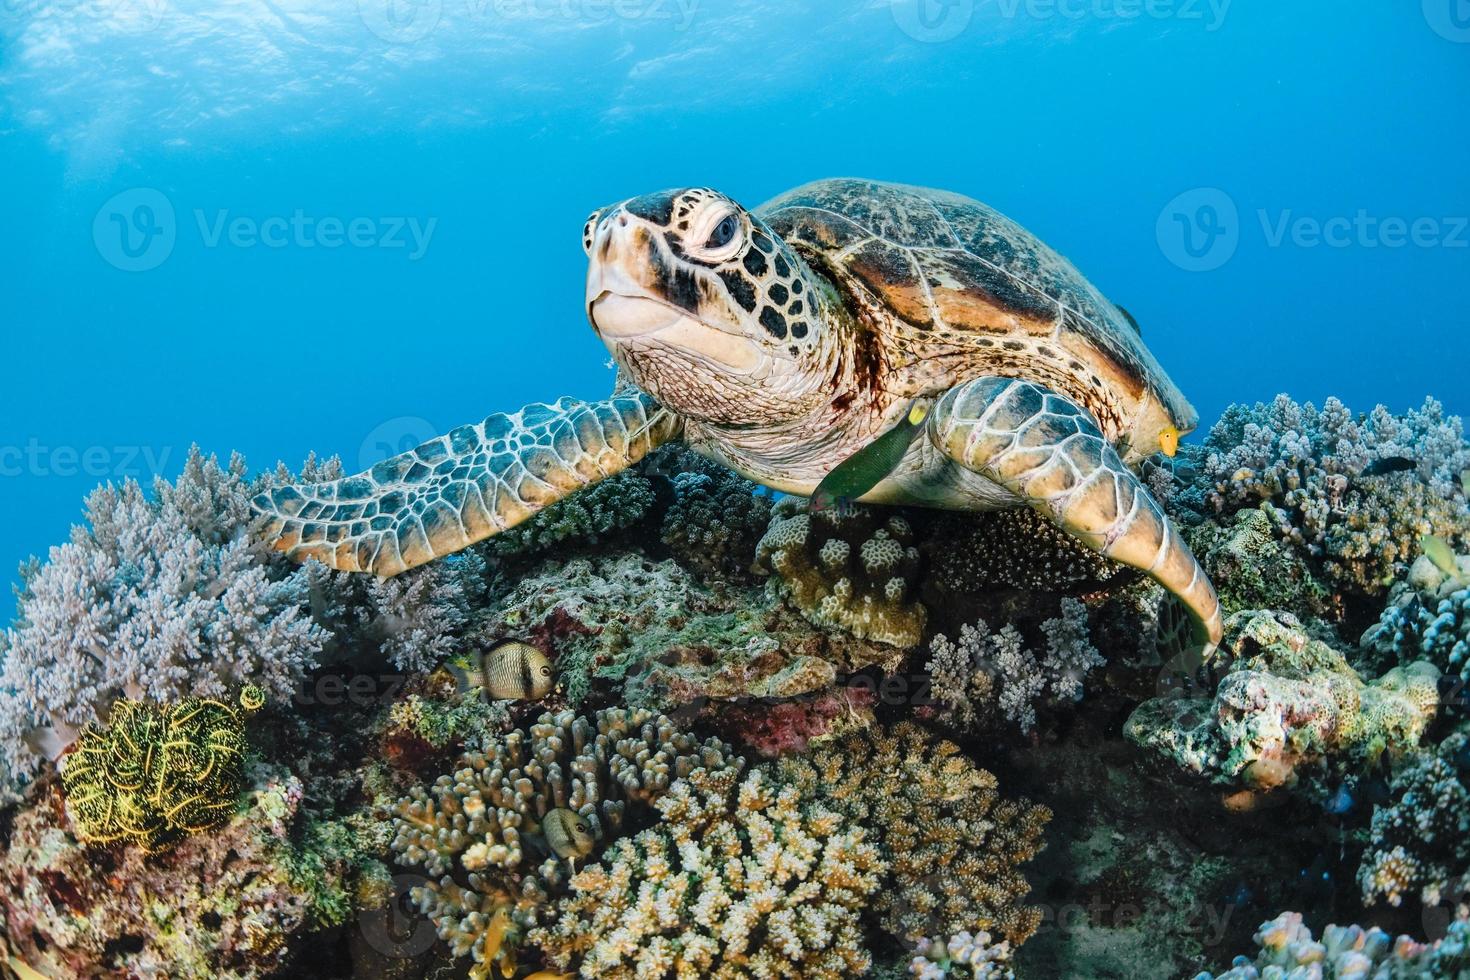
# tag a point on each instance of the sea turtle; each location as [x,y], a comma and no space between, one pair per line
[780,341]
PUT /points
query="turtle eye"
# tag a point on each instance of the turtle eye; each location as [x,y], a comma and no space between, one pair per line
[724,232]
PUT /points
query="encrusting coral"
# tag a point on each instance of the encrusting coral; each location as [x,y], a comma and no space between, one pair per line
[739,879]
[1254,568]
[1289,952]
[166,597]
[1288,707]
[854,571]
[479,830]
[1316,467]
[953,846]
[156,773]
[1420,839]
[984,672]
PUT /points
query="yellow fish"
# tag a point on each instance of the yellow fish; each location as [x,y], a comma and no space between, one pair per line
[1439,552]
[516,671]
[1169,441]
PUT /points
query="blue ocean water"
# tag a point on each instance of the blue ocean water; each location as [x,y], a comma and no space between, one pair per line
[279,226]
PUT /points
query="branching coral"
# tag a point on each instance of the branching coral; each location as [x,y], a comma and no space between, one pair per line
[585,517]
[986,672]
[735,881]
[479,829]
[1288,952]
[853,571]
[1289,706]
[1421,840]
[1427,618]
[1314,466]
[953,846]
[170,596]
[962,955]
[715,519]
[156,773]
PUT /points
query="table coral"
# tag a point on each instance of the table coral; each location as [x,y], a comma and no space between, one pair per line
[1289,706]
[1289,952]
[953,845]
[477,829]
[1313,466]
[735,881]
[156,773]
[1420,841]
[985,672]
[852,571]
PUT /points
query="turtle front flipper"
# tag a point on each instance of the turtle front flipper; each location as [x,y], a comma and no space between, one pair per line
[1040,446]
[463,487]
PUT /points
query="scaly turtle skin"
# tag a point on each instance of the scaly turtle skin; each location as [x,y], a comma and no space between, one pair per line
[781,341]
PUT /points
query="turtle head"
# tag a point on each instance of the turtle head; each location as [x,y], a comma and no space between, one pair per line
[706,309]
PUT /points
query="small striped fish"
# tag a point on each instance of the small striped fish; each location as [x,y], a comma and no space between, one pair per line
[517,671]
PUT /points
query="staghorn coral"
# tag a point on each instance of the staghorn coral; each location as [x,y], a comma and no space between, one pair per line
[156,773]
[165,597]
[962,955]
[735,881]
[477,829]
[1288,707]
[1420,843]
[985,672]
[648,630]
[586,517]
[953,846]
[1288,952]
[1427,618]
[715,519]
[853,571]
[1312,465]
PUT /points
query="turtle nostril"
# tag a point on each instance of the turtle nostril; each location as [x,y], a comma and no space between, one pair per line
[622,221]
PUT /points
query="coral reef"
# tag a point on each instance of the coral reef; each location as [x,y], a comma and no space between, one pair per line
[715,520]
[585,518]
[952,844]
[1288,708]
[156,773]
[166,597]
[986,672]
[650,632]
[962,955]
[1315,466]
[735,881]
[1288,952]
[479,829]
[777,728]
[1016,548]
[853,571]
[1420,840]
[1427,618]
[1253,568]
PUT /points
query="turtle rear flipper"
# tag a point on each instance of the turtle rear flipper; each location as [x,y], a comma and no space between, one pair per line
[1040,446]
[462,487]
